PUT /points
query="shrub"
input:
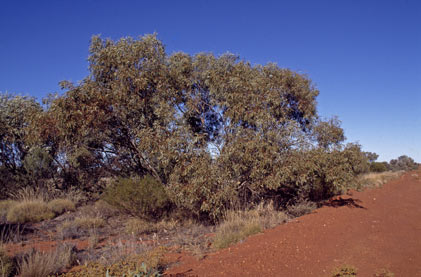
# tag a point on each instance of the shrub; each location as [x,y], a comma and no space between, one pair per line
[6,263]
[378,167]
[59,206]
[29,211]
[142,197]
[41,264]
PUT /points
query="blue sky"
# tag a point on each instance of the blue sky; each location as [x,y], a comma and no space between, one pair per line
[363,56]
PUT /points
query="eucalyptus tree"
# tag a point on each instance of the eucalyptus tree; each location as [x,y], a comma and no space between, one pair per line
[217,131]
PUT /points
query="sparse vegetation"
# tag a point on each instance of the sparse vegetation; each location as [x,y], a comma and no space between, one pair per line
[137,227]
[384,273]
[301,208]
[238,225]
[345,271]
[41,264]
[6,263]
[370,180]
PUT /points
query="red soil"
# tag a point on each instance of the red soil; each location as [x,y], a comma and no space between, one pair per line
[371,230]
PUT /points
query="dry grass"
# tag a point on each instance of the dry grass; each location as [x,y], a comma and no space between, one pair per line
[5,206]
[30,193]
[29,211]
[240,224]
[41,264]
[59,206]
[87,222]
[85,225]
[136,226]
[301,208]
[372,180]
[6,263]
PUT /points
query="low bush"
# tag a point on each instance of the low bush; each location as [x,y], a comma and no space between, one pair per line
[41,264]
[29,211]
[59,206]
[141,197]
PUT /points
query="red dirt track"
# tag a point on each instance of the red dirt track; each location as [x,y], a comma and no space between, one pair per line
[371,230]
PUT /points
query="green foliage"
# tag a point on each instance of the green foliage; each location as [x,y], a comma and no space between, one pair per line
[203,132]
[142,197]
[16,115]
[379,167]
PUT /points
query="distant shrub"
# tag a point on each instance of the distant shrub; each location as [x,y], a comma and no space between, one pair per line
[379,167]
[142,197]
[6,263]
[403,163]
[29,211]
[59,206]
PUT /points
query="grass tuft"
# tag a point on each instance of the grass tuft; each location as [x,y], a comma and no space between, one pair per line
[29,211]
[41,264]
[5,206]
[240,224]
[60,206]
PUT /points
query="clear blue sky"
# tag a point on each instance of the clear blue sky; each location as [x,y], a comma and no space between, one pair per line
[364,56]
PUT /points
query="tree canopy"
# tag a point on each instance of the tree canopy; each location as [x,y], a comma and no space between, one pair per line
[215,131]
